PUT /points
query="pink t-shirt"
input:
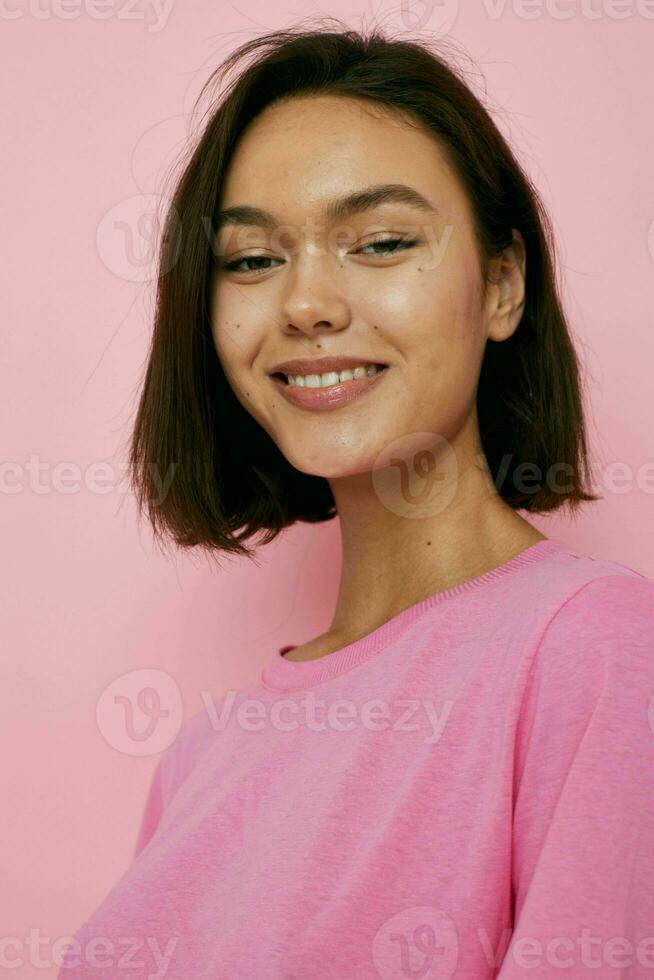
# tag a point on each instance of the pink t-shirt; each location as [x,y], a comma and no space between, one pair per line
[466,792]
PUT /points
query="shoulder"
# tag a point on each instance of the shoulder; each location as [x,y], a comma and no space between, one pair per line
[181,756]
[571,597]
[587,700]
[610,610]
[596,649]
[196,736]
[174,765]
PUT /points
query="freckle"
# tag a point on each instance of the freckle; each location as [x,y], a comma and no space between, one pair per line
[429,542]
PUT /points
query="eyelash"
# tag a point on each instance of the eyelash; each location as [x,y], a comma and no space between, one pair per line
[405,243]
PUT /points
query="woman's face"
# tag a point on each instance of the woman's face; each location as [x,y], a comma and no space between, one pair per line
[315,286]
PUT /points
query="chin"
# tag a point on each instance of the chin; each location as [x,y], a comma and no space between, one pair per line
[331,464]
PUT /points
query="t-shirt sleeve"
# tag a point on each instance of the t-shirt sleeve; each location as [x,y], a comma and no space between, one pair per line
[583,813]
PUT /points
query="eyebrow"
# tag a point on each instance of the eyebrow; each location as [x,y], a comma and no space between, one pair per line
[335,210]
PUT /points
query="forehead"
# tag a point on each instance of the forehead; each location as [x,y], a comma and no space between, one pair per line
[304,151]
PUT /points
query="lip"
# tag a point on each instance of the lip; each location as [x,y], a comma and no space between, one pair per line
[334,396]
[320,365]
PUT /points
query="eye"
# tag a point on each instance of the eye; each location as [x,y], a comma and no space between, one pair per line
[388,246]
[385,244]
[233,265]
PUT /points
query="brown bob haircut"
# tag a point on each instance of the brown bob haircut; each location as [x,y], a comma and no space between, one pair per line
[229,479]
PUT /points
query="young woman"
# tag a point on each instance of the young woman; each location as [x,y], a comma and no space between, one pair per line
[359,318]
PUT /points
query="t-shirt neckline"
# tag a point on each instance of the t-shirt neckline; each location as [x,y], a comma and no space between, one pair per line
[280,674]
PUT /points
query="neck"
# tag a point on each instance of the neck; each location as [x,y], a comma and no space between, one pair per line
[402,545]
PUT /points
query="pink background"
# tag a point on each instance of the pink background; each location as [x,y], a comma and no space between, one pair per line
[94,113]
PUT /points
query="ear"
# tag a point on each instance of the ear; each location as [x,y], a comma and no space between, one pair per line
[505,290]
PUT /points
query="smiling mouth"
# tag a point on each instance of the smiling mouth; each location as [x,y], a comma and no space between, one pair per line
[329,378]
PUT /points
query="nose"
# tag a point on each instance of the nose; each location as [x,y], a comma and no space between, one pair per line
[313,303]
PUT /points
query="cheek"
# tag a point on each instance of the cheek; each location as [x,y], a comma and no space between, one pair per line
[234,342]
[427,317]
[228,339]
[401,309]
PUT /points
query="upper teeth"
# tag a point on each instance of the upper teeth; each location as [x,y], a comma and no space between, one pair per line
[331,377]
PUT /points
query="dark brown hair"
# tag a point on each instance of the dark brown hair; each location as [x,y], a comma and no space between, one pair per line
[229,479]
